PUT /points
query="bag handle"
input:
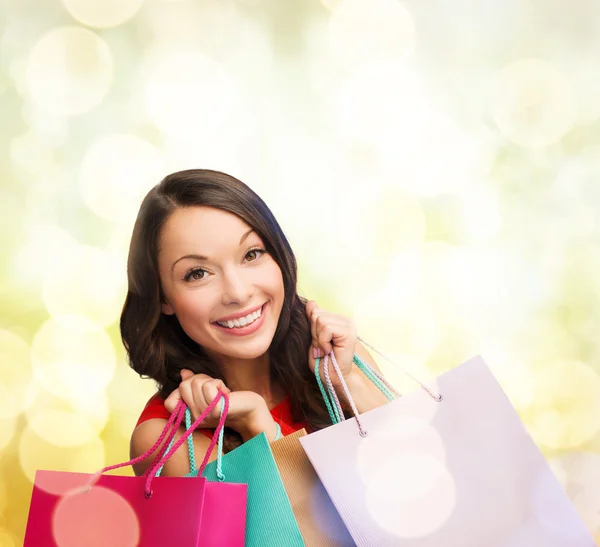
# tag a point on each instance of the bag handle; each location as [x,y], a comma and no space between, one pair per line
[330,396]
[334,407]
[194,471]
[173,424]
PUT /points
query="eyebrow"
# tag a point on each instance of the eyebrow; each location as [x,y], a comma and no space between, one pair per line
[200,257]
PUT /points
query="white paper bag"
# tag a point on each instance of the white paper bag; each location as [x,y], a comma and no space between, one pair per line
[461,472]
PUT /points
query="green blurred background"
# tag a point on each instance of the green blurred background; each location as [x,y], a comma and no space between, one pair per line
[434,164]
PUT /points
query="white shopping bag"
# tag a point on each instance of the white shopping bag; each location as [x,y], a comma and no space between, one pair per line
[460,472]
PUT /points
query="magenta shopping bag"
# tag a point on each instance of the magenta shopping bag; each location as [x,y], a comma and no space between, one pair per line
[96,510]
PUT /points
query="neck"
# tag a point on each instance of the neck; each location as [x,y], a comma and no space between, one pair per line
[250,375]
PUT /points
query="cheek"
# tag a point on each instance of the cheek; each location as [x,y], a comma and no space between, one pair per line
[272,281]
[192,305]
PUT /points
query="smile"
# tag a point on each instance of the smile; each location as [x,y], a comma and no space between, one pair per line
[242,321]
[243,326]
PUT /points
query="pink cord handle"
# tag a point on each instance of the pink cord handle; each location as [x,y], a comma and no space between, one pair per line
[173,423]
[361,430]
[183,438]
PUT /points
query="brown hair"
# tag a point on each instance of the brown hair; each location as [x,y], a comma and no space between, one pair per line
[156,344]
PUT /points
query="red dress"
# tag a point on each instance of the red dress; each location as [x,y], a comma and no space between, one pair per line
[282,414]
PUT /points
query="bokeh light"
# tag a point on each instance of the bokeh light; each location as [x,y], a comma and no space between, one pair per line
[427,496]
[566,405]
[71,358]
[7,539]
[532,103]
[85,282]
[15,374]
[579,474]
[91,410]
[96,518]
[113,189]
[361,32]
[188,94]
[36,453]
[69,71]
[109,13]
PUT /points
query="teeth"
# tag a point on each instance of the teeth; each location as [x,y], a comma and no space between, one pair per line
[242,321]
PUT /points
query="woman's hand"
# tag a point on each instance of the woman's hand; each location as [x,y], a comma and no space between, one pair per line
[248,412]
[335,332]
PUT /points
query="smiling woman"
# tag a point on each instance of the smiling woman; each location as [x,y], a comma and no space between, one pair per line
[212,305]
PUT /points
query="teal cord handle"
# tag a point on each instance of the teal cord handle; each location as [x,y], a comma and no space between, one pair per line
[378,380]
[333,412]
[375,379]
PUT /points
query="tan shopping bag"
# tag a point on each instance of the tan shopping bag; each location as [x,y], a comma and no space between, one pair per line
[319,522]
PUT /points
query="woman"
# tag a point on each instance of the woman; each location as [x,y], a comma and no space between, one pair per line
[212,304]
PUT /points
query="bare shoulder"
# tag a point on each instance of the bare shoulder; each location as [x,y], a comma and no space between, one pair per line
[145,435]
[362,352]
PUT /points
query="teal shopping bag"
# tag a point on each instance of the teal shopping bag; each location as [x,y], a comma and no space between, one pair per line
[270,521]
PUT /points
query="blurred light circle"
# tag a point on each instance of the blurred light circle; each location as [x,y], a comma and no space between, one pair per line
[394,312]
[69,71]
[43,244]
[31,152]
[95,518]
[108,13]
[3,498]
[7,430]
[7,539]
[532,103]
[412,495]
[362,31]
[579,474]
[85,282]
[37,453]
[116,173]
[404,434]
[90,407]
[70,358]
[566,405]
[189,94]
[385,223]
[63,428]
[15,374]
[128,395]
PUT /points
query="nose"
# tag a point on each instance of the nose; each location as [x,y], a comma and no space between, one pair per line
[237,289]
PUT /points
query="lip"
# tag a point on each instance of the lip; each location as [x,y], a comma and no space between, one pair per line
[244,331]
[241,314]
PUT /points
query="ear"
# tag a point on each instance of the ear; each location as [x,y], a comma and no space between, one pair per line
[167,309]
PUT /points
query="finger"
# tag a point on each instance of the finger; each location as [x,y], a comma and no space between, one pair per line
[314,326]
[172,400]
[310,306]
[324,336]
[210,391]
[186,374]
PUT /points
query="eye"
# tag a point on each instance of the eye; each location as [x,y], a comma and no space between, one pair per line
[196,274]
[254,254]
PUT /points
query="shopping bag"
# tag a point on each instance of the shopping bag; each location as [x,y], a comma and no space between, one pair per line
[270,521]
[75,509]
[451,465]
[317,518]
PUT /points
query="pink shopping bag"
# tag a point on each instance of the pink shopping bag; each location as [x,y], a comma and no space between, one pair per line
[96,510]
[451,465]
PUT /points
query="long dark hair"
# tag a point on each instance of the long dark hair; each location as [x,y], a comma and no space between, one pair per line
[156,344]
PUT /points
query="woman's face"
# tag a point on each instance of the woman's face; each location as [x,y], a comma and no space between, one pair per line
[225,289]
